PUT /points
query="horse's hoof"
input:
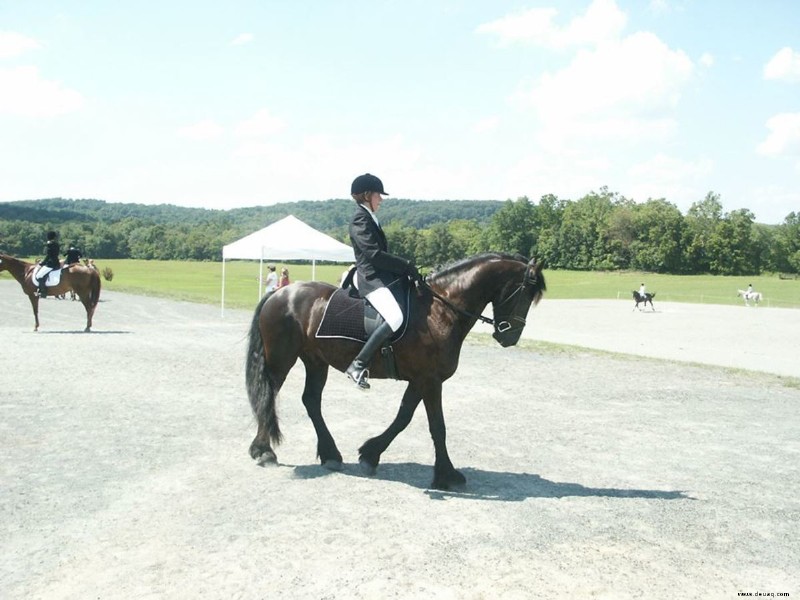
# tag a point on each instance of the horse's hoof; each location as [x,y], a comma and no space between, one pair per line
[449,486]
[263,456]
[267,459]
[367,468]
[333,465]
[454,481]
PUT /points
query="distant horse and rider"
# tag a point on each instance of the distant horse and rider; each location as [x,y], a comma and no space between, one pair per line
[287,326]
[750,295]
[84,281]
[643,299]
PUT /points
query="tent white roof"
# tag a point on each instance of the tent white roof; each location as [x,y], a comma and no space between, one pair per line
[288,239]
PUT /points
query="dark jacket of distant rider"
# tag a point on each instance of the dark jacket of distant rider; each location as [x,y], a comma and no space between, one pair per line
[51,252]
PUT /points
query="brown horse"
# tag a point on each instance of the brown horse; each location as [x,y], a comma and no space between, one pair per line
[82,280]
[442,313]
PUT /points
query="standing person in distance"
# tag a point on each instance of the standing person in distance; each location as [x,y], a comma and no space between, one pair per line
[376,269]
[284,279]
[272,280]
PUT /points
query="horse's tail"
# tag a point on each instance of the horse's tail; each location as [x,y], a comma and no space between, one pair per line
[94,291]
[653,295]
[260,384]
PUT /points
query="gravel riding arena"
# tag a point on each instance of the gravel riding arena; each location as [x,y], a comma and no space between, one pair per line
[612,454]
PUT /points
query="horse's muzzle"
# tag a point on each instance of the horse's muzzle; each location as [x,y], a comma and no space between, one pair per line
[508,337]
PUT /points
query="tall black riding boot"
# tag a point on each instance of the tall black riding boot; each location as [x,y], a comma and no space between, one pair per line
[357,371]
[43,287]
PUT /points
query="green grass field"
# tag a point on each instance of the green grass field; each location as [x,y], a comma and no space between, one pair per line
[202,282]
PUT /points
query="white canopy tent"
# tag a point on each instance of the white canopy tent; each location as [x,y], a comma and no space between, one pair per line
[287,239]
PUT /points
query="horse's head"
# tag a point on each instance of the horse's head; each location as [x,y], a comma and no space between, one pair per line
[524,286]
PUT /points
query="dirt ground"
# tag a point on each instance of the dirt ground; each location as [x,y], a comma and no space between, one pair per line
[124,470]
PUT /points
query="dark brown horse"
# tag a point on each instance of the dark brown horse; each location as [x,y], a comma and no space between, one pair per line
[82,280]
[442,313]
[639,299]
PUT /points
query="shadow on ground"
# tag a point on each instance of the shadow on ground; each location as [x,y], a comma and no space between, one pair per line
[490,485]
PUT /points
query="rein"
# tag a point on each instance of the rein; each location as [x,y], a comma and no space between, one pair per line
[452,306]
[499,326]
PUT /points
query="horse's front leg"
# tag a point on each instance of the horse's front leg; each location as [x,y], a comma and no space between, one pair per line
[445,476]
[316,377]
[35,305]
[369,455]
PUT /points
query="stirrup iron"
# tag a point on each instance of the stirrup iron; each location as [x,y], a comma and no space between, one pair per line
[359,377]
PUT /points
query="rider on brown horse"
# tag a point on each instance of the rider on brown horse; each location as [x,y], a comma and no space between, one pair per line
[51,261]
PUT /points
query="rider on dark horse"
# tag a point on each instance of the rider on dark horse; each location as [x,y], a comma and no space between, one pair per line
[376,269]
[51,261]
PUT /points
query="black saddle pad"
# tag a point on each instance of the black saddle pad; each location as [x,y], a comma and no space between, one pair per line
[344,317]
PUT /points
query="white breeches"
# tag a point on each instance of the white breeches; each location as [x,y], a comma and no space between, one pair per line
[41,273]
[387,306]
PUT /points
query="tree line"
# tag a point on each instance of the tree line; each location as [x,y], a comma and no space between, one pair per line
[600,231]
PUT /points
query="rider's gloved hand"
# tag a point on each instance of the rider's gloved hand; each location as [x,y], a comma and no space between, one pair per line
[413,273]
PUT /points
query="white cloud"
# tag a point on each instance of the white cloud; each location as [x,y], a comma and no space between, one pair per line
[26,94]
[602,21]
[202,130]
[623,89]
[784,66]
[486,125]
[662,167]
[707,60]
[661,176]
[659,6]
[321,167]
[13,44]
[784,136]
[242,39]
[773,203]
[262,124]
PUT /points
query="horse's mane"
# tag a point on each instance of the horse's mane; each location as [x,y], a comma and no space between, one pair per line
[451,272]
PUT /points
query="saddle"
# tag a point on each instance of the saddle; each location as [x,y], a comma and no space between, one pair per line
[350,317]
[53,277]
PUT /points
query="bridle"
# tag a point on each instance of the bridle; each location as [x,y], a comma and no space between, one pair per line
[501,325]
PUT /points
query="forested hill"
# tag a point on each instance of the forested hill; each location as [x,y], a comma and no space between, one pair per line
[328,215]
[165,231]
[601,230]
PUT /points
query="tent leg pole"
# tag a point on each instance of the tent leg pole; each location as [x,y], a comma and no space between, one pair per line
[222,301]
[260,277]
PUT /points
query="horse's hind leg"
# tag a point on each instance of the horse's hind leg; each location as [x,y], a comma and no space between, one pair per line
[316,377]
[87,304]
[264,381]
[369,455]
[261,447]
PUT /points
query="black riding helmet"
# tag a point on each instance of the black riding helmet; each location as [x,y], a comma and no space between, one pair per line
[51,235]
[367,183]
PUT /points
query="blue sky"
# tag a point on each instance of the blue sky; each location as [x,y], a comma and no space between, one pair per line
[252,102]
